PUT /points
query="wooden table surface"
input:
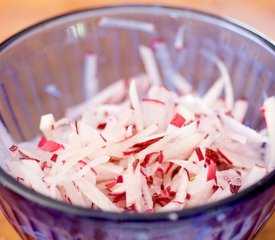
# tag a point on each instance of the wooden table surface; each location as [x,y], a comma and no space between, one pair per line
[15,15]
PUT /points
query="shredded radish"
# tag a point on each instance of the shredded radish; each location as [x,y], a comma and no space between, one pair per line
[239,110]
[136,106]
[269,114]
[150,64]
[108,22]
[214,92]
[229,96]
[172,78]
[138,146]
[46,122]
[90,86]
[179,39]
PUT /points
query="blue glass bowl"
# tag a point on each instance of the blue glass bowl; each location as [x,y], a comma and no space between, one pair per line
[50,55]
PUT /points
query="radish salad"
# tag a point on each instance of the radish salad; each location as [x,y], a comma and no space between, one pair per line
[148,144]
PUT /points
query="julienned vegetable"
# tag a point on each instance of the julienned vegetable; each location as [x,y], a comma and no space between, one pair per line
[138,146]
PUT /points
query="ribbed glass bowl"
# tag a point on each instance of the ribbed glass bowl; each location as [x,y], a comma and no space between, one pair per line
[52,53]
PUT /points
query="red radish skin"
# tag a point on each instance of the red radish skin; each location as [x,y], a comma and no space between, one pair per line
[119,179]
[44,165]
[215,188]
[51,146]
[199,153]
[224,157]
[147,143]
[135,163]
[101,126]
[54,157]
[177,120]
[93,171]
[119,198]
[13,148]
[76,127]
[188,174]
[150,157]
[103,138]
[212,168]
[211,155]
[160,158]
[42,141]
[29,158]
[110,185]
[172,194]
[262,111]
[234,188]
[153,101]
[82,163]
[169,167]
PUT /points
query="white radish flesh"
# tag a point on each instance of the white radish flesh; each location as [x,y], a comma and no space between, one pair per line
[108,22]
[269,113]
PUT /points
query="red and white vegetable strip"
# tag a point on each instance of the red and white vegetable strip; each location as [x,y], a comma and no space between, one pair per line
[179,39]
[239,110]
[165,151]
[126,24]
[6,142]
[90,86]
[269,114]
[150,64]
[229,96]
[172,78]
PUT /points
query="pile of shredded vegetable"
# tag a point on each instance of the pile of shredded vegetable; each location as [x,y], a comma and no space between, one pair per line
[138,146]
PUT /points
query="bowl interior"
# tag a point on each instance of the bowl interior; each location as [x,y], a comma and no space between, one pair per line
[52,55]
[42,68]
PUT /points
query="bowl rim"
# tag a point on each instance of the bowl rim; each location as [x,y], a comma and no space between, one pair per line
[10,183]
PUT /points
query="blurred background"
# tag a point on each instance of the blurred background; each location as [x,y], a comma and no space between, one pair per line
[16,15]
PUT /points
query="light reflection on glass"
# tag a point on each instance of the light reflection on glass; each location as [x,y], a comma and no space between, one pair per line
[76,31]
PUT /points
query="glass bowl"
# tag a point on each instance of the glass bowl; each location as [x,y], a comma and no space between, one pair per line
[50,55]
